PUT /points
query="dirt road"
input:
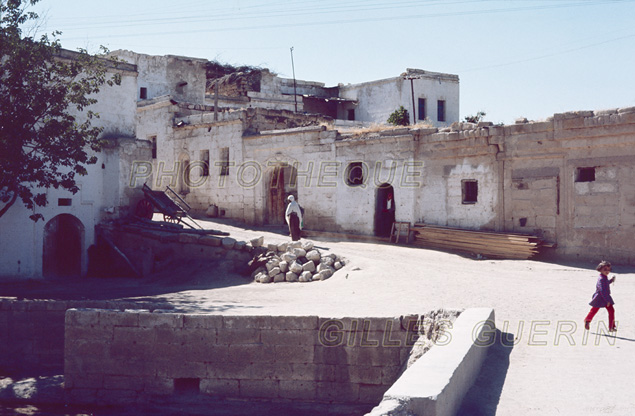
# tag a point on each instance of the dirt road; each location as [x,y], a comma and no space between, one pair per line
[544,362]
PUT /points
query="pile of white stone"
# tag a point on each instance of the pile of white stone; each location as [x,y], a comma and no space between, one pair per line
[296,262]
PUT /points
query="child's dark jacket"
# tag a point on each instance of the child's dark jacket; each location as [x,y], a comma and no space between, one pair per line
[602,295]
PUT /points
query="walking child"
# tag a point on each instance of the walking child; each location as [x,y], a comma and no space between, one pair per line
[602,296]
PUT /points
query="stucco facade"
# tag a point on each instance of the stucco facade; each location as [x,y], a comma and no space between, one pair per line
[567,180]
[430,97]
[58,245]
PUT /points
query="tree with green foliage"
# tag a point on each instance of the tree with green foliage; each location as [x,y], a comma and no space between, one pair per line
[43,88]
[399,117]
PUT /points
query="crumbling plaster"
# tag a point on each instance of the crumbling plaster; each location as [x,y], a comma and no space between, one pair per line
[181,77]
[525,173]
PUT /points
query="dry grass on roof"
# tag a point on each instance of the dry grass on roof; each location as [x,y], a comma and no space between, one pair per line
[374,128]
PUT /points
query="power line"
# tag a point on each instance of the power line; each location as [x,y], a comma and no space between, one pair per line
[371,19]
[536,58]
[284,12]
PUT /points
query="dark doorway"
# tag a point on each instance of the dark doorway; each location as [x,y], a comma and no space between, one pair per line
[384,210]
[63,241]
[282,183]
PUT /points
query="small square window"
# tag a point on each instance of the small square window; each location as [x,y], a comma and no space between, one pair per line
[64,202]
[469,191]
[585,175]
[355,174]
[143,93]
[180,87]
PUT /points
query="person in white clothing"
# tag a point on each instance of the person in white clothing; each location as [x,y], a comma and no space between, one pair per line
[293,215]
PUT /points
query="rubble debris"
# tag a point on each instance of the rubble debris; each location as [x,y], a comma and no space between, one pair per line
[293,262]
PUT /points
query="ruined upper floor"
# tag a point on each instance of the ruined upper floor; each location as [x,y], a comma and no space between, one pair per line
[430,97]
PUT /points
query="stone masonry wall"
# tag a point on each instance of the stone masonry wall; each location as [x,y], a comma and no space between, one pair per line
[527,176]
[32,332]
[150,249]
[136,356]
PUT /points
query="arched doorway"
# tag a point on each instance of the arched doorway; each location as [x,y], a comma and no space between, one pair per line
[384,210]
[63,242]
[282,182]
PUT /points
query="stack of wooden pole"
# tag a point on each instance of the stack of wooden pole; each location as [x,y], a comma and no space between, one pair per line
[486,243]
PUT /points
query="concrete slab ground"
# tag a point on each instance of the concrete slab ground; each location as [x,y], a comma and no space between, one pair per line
[543,361]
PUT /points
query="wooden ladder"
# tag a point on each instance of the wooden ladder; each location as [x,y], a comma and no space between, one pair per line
[396,231]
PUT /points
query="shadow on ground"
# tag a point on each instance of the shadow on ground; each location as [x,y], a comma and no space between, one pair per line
[482,399]
[172,279]
[45,396]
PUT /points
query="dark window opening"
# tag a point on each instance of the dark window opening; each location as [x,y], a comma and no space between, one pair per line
[585,175]
[351,114]
[355,174]
[522,222]
[180,87]
[224,159]
[469,191]
[187,385]
[143,93]
[422,109]
[205,160]
[153,139]
[64,202]
[441,110]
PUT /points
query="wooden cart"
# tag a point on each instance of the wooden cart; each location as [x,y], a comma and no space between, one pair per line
[168,203]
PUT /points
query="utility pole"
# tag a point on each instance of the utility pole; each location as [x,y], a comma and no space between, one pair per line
[295,96]
[216,101]
[412,91]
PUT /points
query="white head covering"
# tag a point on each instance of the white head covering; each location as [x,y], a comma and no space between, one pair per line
[293,207]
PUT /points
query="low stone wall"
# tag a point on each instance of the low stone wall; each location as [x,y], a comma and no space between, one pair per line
[134,356]
[436,384]
[32,332]
[150,249]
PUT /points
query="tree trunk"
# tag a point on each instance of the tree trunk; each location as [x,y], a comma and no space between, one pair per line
[9,204]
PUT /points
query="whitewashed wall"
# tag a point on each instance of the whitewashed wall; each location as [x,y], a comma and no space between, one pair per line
[222,191]
[161,75]
[378,99]
[317,188]
[441,200]
[389,160]
[100,194]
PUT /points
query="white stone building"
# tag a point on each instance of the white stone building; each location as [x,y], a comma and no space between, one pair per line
[430,97]
[177,117]
[58,245]
[539,178]
[234,141]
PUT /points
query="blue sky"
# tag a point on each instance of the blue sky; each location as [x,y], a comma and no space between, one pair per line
[514,58]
